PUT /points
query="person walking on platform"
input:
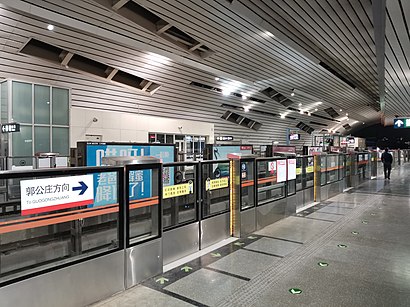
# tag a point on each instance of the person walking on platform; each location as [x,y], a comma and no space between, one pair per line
[387,160]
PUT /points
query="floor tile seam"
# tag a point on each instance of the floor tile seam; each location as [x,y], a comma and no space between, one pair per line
[226,273]
[316,219]
[318,211]
[245,296]
[281,239]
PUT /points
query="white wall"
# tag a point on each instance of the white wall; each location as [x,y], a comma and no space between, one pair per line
[127,127]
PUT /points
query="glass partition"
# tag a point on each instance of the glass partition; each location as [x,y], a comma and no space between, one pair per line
[310,171]
[143,202]
[247,184]
[215,187]
[342,164]
[291,176]
[323,169]
[51,218]
[271,180]
[362,164]
[299,174]
[179,195]
[332,170]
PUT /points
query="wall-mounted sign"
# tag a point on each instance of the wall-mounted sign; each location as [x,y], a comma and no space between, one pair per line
[291,169]
[45,195]
[401,123]
[294,136]
[224,138]
[281,170]
[11,127]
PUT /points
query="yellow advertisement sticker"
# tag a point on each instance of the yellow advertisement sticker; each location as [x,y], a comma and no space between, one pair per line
[178,190]
[298,171]
[309,169]
[216,184]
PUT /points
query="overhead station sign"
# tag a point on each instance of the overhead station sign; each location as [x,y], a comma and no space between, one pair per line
[45,195]
[400,123]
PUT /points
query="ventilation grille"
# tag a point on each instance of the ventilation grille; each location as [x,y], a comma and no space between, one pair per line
[219,90]
[314,115]
[87,66]
[241,120]
[230,106]
[347,126]
[338,75]
[304,127]
[278,97]
[331,112]
[155,24]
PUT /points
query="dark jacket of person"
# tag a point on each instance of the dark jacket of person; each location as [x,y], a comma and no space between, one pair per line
[387,158]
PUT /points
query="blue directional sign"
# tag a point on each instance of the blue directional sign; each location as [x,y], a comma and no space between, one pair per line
[400,123]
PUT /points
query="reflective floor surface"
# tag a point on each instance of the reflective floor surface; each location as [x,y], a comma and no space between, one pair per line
[350,250]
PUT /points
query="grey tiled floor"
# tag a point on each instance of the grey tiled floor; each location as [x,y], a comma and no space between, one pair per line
[205,286]
[324,216]
[142,296]
[273,246]
[244,263]
[372,270]
[295,228]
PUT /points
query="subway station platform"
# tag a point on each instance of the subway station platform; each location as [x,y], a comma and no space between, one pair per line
[351,250]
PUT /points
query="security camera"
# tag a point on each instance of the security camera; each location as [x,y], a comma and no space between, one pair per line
[95,119]
[180,127]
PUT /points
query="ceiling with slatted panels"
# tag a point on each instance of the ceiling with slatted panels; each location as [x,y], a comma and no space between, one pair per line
[322,50]
[397,58]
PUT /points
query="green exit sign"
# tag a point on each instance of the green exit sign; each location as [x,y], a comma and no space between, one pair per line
[400,123]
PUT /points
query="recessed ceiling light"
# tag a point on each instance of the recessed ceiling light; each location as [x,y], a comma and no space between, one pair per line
[269,34]
[347,114]
[300,104]
[301,111]
[292,94]
[226,92]
[246,109]
[308,113]
[217,79]
[282,116]
[316,109]
[340,110]
[319,102]
[50,27]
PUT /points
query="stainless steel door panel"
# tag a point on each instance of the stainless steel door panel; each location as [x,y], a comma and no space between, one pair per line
[77,285]
[248,221]
[214,230]
[143,261]
[180,242]
[308,196]
[270,213]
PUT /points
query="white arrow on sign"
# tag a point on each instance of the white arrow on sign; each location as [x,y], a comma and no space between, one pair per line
[399,123]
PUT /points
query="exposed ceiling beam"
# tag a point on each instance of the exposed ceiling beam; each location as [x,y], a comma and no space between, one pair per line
[119,4]
[379,23]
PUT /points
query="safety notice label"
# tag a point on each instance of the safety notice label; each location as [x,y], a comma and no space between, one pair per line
[216,184]
[178,190]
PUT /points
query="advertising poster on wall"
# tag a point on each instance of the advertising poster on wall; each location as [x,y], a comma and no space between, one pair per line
[281,170]
[222,152]
[291,169]
[105,185]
